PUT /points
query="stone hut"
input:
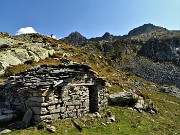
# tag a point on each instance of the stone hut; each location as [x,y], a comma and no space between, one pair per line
[56,92]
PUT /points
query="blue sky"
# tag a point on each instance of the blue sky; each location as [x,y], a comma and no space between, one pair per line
[89,17]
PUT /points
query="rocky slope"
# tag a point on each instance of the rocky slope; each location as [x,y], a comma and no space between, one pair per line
[158,72]
[17,52]
[159,46]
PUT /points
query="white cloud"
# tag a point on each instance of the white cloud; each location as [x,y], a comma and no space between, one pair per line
[26,30]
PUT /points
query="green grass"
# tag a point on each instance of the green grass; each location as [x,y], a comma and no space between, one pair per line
[128,122]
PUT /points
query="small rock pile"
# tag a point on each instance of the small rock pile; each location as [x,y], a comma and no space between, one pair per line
[172,90]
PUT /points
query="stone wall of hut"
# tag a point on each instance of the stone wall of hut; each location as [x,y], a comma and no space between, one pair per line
[57,92]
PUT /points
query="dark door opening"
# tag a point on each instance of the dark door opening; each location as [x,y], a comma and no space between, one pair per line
[93,99]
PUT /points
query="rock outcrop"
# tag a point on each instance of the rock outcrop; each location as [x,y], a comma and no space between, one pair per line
[24,52]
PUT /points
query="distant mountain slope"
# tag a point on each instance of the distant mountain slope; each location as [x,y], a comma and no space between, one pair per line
[162,50]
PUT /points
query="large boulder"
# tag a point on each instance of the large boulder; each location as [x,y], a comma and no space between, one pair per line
[133,99]
[123,99]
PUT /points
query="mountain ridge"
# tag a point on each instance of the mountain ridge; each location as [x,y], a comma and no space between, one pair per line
[143,32]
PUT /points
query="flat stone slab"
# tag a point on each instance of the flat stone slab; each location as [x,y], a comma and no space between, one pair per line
[7,118]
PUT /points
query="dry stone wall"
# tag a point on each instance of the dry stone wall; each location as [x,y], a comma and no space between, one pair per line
[56,92]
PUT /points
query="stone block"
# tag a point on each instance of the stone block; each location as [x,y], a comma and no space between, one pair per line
[5,131]
[37,118]
[76,102]
[52,107]
[70,108]
[66,98]
[8,111]
[36,94]
[85,104]
[27,117]
[41,104]
[63,109]
[76,97]
[31,103]
[7,118]
[71,114]
[64,94]
[47,93]
[39,110]
[63,115]
[55,111]
[37,99]
[49,99]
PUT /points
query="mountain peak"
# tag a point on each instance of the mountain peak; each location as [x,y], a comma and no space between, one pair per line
[144,29]
[75,38]
[107,36]
[75,34]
